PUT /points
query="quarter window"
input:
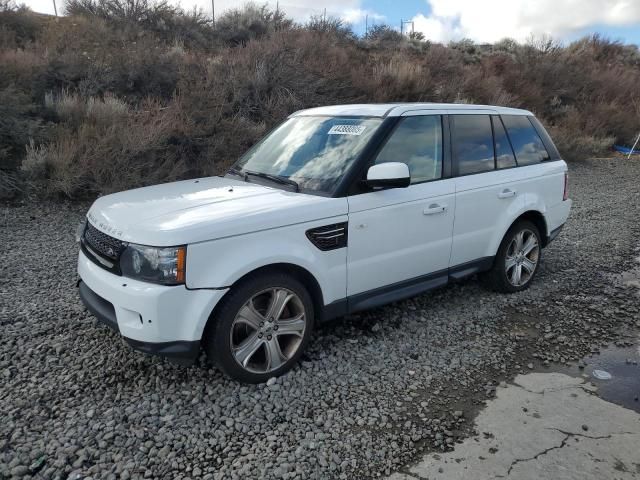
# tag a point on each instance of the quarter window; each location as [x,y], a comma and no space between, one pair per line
[473,143]
[526,142]
[416,141]
[504,152]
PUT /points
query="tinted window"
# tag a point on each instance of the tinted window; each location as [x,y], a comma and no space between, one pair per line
[546,139]
[416,141]
[504,152]
[526,142]
[473,143]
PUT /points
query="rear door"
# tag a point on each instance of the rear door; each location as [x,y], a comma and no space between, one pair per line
[488,188]
[403,234]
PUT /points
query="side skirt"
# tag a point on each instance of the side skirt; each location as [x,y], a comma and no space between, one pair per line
[405,289]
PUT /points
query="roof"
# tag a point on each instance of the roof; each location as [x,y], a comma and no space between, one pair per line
[398,109]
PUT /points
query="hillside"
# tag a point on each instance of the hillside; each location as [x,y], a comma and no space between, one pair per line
[112,96]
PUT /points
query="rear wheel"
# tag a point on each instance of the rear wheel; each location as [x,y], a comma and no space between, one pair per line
[261,327]
[517,260]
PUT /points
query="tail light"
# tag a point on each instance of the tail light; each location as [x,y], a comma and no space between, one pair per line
[565,195]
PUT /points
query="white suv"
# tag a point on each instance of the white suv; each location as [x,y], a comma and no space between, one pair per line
[338,209]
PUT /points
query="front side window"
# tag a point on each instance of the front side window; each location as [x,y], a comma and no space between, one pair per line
[313,152]
[473,143]
[416,141]
[504,152]
[526,142]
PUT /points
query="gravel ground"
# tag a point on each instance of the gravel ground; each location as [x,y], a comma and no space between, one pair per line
[372,393]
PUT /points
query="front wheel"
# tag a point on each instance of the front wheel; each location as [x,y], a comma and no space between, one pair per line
[261,328]
[517,260]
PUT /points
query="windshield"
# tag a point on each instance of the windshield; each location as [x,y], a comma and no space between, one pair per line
[313,152]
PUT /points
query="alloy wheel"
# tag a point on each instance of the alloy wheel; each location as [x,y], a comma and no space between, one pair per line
[523,254]
[268,330]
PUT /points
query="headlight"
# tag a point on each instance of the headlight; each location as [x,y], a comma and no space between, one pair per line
[164,265]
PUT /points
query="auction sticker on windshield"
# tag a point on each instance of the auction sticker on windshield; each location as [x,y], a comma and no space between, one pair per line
[346,130]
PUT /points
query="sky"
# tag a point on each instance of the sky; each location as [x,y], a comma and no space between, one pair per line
[484,21]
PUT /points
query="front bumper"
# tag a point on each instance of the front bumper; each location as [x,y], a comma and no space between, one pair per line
[154,319]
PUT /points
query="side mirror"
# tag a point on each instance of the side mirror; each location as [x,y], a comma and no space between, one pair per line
[389,175]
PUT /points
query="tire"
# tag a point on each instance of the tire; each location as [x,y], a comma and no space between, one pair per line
[247,338]
[503,276]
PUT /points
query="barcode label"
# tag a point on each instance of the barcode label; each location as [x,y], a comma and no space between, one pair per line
[346,130]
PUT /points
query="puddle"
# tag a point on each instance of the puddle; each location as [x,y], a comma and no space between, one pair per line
[624,386]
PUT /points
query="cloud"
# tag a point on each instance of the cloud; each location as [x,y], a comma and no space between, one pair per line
[492,20]
[357,15]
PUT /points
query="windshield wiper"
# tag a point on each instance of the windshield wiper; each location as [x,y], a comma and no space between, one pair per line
[273,178]
[238,172]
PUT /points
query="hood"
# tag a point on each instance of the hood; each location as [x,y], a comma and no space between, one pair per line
[204,209]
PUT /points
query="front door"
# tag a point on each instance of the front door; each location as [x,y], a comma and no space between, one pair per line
[402,235]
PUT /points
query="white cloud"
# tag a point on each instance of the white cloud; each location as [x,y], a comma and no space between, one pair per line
[357,15]
[492,20]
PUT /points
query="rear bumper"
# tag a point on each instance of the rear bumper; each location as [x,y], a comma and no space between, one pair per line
[554,233]
[154,319]
[556,217]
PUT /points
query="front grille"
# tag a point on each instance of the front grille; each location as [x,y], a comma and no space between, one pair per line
[102,243]
[329,237]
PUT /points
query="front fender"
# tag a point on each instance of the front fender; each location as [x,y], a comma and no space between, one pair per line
[221,263]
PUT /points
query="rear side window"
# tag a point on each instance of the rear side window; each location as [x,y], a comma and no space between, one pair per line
[504,152]
[526,142]
[416,141]
[473,143]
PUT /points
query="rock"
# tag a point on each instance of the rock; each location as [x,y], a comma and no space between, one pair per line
[131,415]
[19,471]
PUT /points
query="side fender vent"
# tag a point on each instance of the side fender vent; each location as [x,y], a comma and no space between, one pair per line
[329,237]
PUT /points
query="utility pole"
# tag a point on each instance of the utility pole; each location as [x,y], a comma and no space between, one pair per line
[366,25]
[402,23]
[55,8]
[213,12]
[324,16]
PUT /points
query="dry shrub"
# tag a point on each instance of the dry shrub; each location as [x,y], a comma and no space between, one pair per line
[106,111]
[146,146]
[18,67]
[9,185]
[399,78]
[165,20]
[74,109]
[17,125]
[18,25]
[576,146]
[126,93]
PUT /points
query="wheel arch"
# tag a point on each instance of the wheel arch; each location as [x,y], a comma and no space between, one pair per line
[300,273]
[537,218]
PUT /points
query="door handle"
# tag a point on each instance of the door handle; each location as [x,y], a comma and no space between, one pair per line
[434,208]
[506,193]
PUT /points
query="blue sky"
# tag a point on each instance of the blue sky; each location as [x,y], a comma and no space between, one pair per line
[563,19]
[445,20]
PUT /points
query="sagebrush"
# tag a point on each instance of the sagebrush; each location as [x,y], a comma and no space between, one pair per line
[124,93]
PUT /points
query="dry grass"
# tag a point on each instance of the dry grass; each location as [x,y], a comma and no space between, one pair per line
[99,102]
